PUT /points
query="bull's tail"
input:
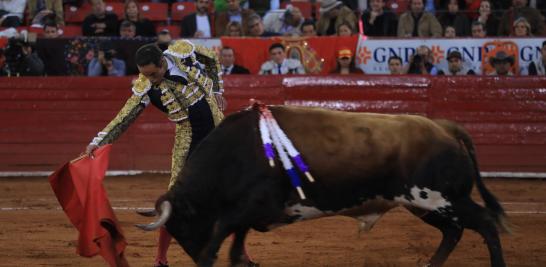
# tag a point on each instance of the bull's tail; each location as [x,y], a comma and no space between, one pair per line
[491,202]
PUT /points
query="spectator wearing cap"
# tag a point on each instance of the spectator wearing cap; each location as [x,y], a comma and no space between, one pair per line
[42,11]
[379,20]
[538,67]
[454,18]
[416,22]
[143,26]
[284,21]
[198,24]
[478,29]
[332,14]
[395,65]
[234,12]
[100,22]
[345,63]
[255,27]
[520,9]
[489,20]
[502,63]
[127,29]
[279,64]
[455,65]
[227,62]
[521,28]
[308,29]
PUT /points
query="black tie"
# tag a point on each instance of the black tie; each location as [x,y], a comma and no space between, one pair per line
[226,71]
[279,68]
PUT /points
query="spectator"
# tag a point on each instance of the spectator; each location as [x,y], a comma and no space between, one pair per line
[478,29]
[164,39]
[308,29]
[455,18]
[234,12]
[456,65]
[234,29]
[344,29]
[144,27]
[520,9]
[51,30]
[22,60]
[127,29]
[105,64]
[345,63]
[227,62]
[279,64]
[255,27]
[3,66]
[41,11]
[395,65]
[198,24]
[489,20]
[332,14]
[449,32]
[422,62]
[284,21]
[417,22]
[263,6]
[11,12]
[537,67]
[502,64]
[100,22]
[521,28]
[378,20]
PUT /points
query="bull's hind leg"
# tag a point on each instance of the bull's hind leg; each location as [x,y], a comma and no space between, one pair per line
[451,233]
[477,218]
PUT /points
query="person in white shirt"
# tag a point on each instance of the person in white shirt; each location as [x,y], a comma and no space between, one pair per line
[198,24]
[279,64]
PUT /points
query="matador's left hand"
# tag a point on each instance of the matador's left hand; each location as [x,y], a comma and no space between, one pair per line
[221,101]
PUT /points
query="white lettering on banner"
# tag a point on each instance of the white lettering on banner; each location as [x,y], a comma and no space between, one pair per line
[372,55]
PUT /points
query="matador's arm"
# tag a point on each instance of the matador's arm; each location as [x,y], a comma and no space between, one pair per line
[125,117]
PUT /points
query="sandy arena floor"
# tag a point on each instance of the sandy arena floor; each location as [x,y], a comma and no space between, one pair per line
[35,232]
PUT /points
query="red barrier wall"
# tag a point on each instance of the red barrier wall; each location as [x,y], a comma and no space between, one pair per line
[47,121]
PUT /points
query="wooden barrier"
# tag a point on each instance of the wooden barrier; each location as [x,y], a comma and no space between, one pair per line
[47,121]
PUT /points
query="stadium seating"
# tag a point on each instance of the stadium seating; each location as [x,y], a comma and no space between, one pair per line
[71,31]
[117,8]
[156,12]
[180,9]
[76,15]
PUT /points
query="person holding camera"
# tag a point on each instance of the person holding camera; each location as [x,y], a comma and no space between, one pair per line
[106,65]
[21,60]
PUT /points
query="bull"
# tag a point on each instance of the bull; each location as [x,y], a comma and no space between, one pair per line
[364,164]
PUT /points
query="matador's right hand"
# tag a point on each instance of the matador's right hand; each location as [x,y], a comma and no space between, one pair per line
[90,150]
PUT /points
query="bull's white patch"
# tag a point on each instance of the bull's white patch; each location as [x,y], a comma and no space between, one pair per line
[425,198]
[304,212]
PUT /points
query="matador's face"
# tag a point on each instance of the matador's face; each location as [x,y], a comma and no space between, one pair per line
[153,72]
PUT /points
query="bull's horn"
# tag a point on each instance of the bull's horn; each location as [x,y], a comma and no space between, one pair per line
[166,209]
[147,213]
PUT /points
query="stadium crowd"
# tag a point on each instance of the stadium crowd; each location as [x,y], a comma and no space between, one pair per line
[163,20]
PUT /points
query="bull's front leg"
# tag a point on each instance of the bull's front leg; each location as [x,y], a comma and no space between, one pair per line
[238,254]
[210,253]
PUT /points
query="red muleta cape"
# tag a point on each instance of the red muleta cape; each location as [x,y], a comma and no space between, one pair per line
[78,187]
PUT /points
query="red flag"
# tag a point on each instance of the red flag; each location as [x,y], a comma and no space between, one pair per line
[78,187]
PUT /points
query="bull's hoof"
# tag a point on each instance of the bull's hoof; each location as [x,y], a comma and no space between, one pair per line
[147,213]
